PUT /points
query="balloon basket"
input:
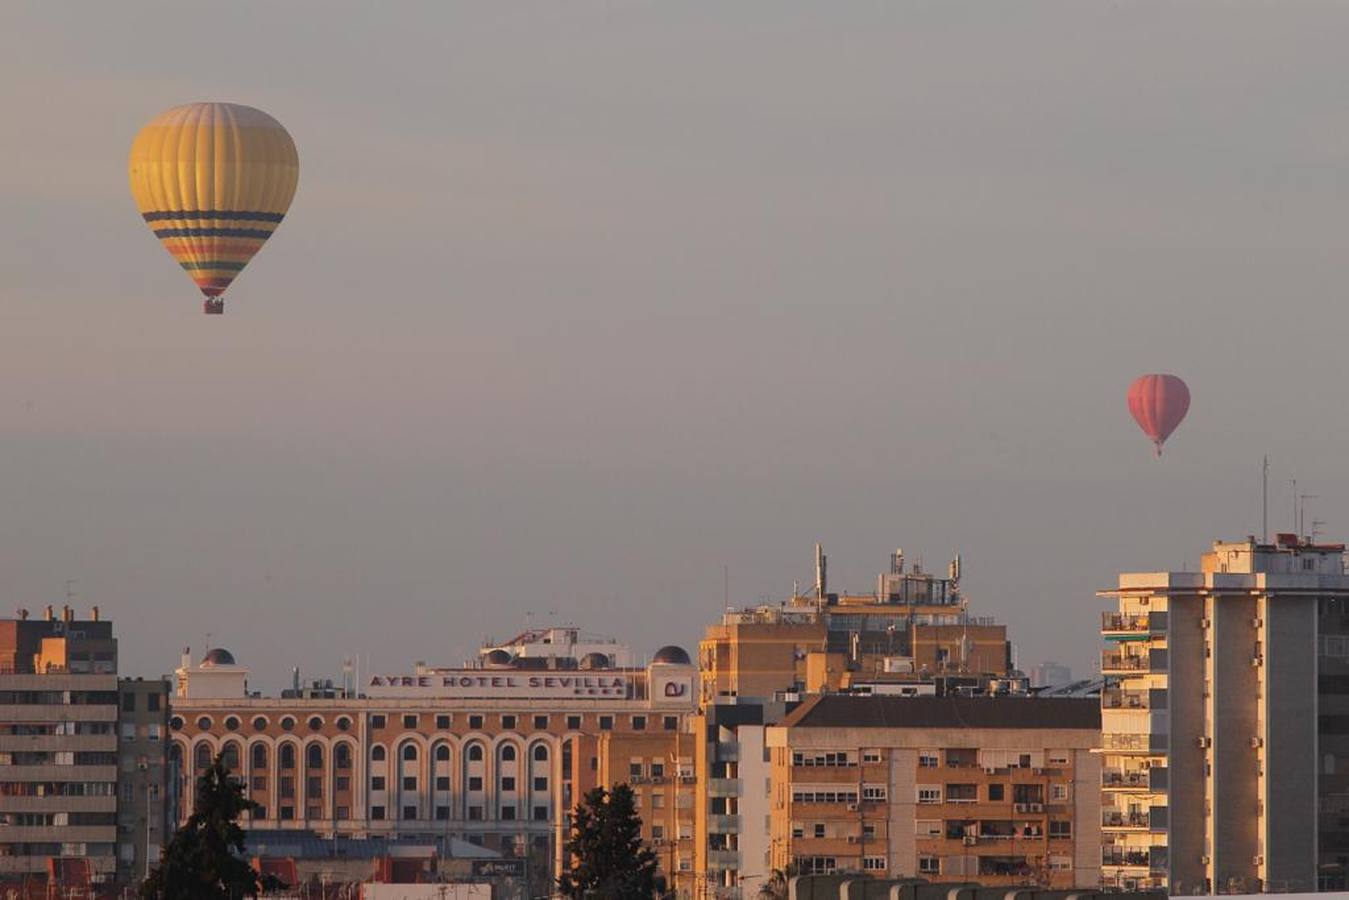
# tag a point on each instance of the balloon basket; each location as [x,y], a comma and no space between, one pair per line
[213,307]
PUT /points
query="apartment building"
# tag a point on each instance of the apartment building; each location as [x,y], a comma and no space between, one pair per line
[1224,720]
[143,775]
[993,790]
[658,766]
[58,748]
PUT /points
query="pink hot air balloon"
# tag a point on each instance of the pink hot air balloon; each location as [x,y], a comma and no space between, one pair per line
[1158,403]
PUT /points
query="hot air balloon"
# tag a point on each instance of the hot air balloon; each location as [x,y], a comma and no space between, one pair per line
[213,180]
[1158,403]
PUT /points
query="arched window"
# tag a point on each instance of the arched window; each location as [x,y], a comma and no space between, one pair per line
[343,756]
[203,757]
[314,756]
[443,753]
[410,753]
[475,753]
[541,753]
[507,753]
[259,757]
[287,756]
[377,753]
[232,756]
[176,754]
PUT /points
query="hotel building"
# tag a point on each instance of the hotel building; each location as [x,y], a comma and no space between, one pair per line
[1225,718]
[496,753]
[993,790]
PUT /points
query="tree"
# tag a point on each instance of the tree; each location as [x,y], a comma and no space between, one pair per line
[610,862]
[204,859]
[775,886]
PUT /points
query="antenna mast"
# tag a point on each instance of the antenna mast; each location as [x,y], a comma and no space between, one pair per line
[1264,501]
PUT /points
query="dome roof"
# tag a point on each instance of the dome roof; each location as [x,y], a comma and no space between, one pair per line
[218,656]
[675,656]
[594,661]
[497,658]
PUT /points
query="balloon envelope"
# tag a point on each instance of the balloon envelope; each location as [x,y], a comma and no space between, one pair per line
[1158,403]
[213,180]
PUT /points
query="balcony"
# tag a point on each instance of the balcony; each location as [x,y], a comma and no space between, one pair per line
[728,751]
[1115,661]
[1116,818]
[1135,859]
[1137,781]
[723,787]
[1133,742]
[1125,700]
[723,859]
[1126,622]
[723,824]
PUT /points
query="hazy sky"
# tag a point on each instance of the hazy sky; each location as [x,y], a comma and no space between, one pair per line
[580,302]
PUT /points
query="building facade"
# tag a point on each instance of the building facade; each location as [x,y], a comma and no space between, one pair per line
[143,775]
[495,754]
[58,748]
[1223,718]
[993,790]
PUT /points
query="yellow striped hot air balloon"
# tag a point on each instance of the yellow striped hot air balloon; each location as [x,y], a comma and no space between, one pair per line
[213,180]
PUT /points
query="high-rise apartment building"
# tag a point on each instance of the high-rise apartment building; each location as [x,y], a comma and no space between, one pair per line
[143,775]
[1224,720]
[58,748]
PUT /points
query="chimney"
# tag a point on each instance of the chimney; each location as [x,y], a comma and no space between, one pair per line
[51,615]
[66,614]
[821,573]
[23,615]
[93,614]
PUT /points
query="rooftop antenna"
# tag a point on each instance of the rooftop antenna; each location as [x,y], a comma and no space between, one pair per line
[70,590]
[1264,501]
[1302,514]
[1316,528]
[821,574]
[725,586]
[1294,481]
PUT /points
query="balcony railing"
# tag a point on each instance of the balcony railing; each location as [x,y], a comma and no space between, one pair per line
[1114,621]
[1115,818]
[728,751]
[1125,780]
[1125,700]
[723,787]
[723,824]
[1114,661]
[1139,858]
[1133,742]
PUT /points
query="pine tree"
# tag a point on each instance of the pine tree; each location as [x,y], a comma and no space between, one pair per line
[204,860]
[610,862]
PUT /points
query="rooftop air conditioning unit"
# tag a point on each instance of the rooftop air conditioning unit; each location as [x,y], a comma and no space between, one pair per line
[852,807]
[1257,660]
[990,770]
[1257,742]
[1203,742]
[1257,860]
[1205,623]
[1257,622]
[1204,860]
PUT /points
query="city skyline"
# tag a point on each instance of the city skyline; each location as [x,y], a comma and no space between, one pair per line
[700,293]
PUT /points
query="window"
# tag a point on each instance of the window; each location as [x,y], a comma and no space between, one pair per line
[925,828]
[232,723]
[508,753]
[507,783]
[929,794]
[377,753]
[287,813]
[260,813]
[232,756]
[541,815]
[475,722]
[287,723]
[819,829]
[1060,862]
[635,770]
[152,702]
[540,753]
[344,812]
[409,812]
[176,723]
[671,723]
[995,792]
[377,813]
[129,729]
[639,723]
[377,783]
[507,813]
[343,783]
[798,831]
[409,753]
[314,812]
[657,801]
[259,723]
[1060,830]
[259,753]
[541,783]
[443,753]
[1058,793]
[343,723]
[874,863]
[377,721]
[315,723]
[540,723]
[573,723]
[442,782]
[508,722]
[874,792]
[409,782]
[314,756]
[442,722]
[287,788]
[204,723]
[927,759]
[475,813]
[606,723]
[475,753]
[313,786]
[929,865]
[871,757]
[342,755]
[475,782]
[128,703]
[657,769]
[410,721]
[442,813]
[259,782]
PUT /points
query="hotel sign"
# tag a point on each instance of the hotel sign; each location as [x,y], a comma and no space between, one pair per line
[516,685]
